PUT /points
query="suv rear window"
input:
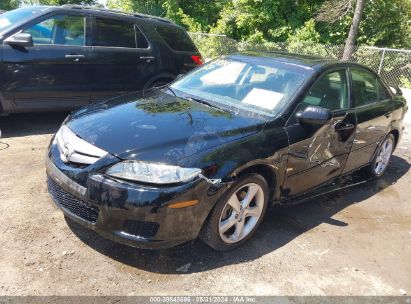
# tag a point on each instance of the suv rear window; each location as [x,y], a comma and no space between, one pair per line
[176,38]
[113,33]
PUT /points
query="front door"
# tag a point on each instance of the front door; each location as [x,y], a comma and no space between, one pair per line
[317,154]
[53,74]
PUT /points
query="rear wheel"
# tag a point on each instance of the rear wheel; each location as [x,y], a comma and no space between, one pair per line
[382,158]
[238,214]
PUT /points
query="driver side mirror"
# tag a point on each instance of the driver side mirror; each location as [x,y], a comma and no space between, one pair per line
[314,115]
[20,40]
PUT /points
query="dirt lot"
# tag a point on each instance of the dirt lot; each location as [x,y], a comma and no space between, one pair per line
[355,242]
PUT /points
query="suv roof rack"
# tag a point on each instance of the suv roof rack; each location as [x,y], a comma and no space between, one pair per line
[106,10]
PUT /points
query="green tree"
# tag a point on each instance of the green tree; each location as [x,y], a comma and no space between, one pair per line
[384,23]
[264,20]
[54,2]
[306,33]
[306,40]
[151,7]
[8,4]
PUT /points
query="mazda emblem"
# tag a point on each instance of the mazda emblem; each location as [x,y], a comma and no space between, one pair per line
[67,153]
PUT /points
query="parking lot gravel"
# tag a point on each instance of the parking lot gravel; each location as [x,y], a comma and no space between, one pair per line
[354,242]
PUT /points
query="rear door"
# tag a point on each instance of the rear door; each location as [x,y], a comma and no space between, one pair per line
[53,74]
[122,58]
[373,106]
[317,154]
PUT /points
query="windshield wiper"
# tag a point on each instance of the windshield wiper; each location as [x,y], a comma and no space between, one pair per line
[207,104]
[174,93]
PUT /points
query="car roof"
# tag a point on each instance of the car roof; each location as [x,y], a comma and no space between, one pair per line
[307,61]
[110,12]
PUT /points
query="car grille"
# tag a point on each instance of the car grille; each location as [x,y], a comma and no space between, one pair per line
[142,229]
[72,203]
[74,150]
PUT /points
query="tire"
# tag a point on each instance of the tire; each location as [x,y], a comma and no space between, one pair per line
[240,224]
[382,158]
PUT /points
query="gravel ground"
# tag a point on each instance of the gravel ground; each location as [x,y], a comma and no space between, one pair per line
[355,242]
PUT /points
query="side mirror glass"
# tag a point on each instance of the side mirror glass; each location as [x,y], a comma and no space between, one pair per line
[314,115]
[20,40]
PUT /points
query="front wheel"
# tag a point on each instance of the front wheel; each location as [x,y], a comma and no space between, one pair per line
[238,214]
[382,158]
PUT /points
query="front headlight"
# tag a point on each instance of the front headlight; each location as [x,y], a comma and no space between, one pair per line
[152,173]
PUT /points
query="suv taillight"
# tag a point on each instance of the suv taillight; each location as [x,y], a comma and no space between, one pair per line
[197,59]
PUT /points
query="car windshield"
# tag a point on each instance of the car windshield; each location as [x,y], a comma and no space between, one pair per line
[8,19]
[259,85]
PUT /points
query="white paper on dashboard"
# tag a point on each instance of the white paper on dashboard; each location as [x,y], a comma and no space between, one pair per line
[263,98]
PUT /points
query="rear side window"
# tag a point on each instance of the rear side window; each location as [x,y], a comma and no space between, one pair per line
[113,33]
[367,88]
[382,91]
[59,30]
[176,38]
[142,42]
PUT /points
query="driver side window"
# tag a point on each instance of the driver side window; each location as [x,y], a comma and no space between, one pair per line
[59,30]
[330,91]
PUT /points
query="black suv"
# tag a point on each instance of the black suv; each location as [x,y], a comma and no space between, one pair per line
[59,58]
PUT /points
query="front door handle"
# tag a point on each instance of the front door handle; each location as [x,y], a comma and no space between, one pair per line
[147,58]
[388,115]
[344,126]
[76,57]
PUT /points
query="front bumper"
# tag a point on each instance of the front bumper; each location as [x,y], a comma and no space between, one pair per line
[128,213]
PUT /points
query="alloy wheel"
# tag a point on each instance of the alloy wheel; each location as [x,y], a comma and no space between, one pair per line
[241,213]
[384,155]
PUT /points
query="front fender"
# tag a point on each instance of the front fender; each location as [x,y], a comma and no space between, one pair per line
[267,148]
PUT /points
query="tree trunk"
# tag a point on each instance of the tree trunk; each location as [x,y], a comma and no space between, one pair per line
[355,25]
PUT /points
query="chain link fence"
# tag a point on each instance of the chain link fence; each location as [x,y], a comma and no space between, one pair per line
[393,65]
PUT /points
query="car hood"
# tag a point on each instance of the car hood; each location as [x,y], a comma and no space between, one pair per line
[159,126]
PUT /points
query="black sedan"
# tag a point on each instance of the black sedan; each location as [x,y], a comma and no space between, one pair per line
[207,155]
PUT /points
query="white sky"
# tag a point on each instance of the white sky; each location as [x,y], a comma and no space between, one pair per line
[104,2]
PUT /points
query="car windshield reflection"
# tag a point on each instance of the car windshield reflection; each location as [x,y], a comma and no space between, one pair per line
[240,82]
[8,19]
